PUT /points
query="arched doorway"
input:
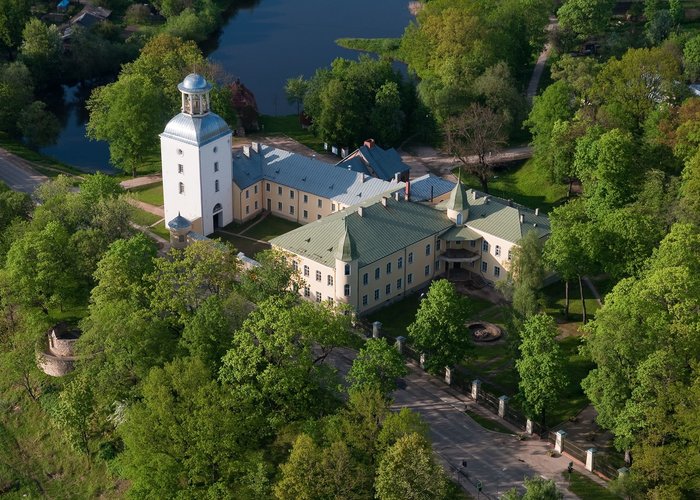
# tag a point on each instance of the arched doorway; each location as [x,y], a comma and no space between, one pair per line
[218,216]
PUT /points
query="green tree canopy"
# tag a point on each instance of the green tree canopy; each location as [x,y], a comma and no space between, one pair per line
[377,364]
[540,366]
[42,52]
[439,329]
[585,18]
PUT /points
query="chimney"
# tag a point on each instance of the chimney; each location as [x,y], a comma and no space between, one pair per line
[486,200]
[397,195]
[522,218]
[359,211]
[369,143]
[476,195]
[246,151]
[255,146]
[408,191]
[510,203]
[343,152]
[383,201]
[537,211]
[431,194]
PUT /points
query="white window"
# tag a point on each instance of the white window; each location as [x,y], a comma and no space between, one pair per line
[410,258]
[307,291]
[295,265]
[510,254]
[365,278]
[306,198]
[472,243]
[398,284]
[291,194]
[377,273]
[497,250]
[306,214]
[484,267]
[181,238]
[247,193]
[459,219]
[347,269]
[320,203]
[247,209]
[376,294]
[485,246]
[388,267]
[332,207]
[399,264]
[256,205]
[291,209]
[216,166]
[255,189]
[318,296]
[179,152]
[306,270]
[330,280]
[215,149]
[180,169]
[279,206]
[181,188]
[427,249]
[346,290]
[364,300]
[437,245]
[318,216]
[388,289]
[216,186]
[330,300]
[496,271]
[279,189]
[409,278]
[318,275]
[267,187]
[427,270]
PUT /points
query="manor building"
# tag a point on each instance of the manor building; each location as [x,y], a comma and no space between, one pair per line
[369,235]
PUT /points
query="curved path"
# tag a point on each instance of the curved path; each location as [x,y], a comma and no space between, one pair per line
[18,173]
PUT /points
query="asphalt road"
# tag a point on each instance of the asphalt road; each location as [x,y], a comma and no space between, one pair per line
[499,461]
[17,174]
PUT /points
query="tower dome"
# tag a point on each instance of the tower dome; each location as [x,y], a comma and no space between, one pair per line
[194,83]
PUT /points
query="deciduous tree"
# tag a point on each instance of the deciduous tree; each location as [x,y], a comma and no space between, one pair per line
[439,328]
[378,365]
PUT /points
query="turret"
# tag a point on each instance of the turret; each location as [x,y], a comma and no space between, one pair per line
[179,227]
[346,269]
[457,205]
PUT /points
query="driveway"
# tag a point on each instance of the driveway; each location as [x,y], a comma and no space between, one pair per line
[498,460]
[18,174]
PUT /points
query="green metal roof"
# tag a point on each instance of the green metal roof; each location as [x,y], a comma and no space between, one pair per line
[501,218]
[458,198]
[460,233]
[345,250]
[378,232]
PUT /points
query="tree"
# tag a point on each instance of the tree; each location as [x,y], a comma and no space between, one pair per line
[643,340]
[273,358]
[181,284]
[439,328]
[274,277]
[527,274]
[41,52]
[585,18]
[691,58]
[295,90]
[659,26]
[542,375]
[74,413]
[13,204]
[123,102]
[38,126]
[498,90]
[689,192]
[186,437]
[569,248]
[377,364]
[407,471]
[479,132]
[387,118]
[536,488]
[312,472]
[13,16]
[16,87]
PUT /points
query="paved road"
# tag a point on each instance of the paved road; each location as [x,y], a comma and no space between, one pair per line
[18,174]
[498,460]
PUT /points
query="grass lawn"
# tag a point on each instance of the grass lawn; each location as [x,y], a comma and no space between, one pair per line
[289,125]
[151,194]
[577,367]
[554,297]
[143,218]
[270,227]
[587,489]
[161,231]
[248,247]
[385,47]
[524,183]
[237,228]
[487,423]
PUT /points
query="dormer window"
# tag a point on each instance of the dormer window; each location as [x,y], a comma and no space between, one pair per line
[181,188]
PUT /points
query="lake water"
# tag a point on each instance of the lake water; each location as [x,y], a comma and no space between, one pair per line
[263,46]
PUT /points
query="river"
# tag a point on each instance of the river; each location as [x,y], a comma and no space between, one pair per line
[263,46]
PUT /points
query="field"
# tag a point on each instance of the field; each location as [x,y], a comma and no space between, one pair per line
[151,194]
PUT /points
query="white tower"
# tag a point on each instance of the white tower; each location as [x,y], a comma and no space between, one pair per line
[195,150]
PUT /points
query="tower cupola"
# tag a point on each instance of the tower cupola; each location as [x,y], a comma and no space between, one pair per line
[458,205]
[195,95]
